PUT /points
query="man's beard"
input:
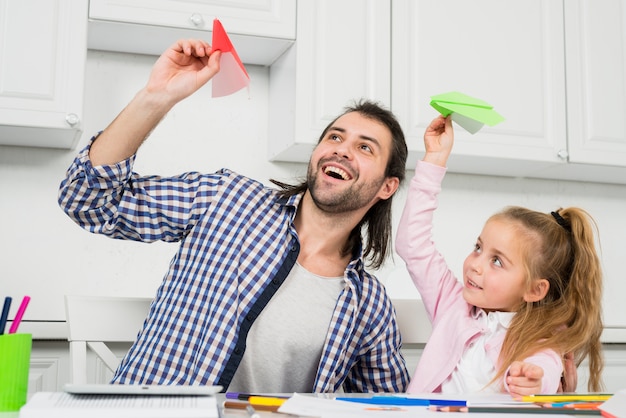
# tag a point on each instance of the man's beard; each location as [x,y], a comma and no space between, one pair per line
[346,200]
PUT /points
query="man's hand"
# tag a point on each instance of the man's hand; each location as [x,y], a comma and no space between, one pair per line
[183,69]
[524,379]
[438,141]
[569,380]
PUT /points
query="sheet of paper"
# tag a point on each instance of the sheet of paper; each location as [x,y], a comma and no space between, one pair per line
[616,405]
[232,76]
[468,112]
[315,406]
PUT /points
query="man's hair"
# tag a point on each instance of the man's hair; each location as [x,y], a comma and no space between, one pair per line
[378,218]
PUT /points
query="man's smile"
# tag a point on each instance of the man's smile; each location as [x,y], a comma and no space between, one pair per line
[336,172]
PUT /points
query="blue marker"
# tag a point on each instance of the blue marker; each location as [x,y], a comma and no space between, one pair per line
[403,401]
[5,314]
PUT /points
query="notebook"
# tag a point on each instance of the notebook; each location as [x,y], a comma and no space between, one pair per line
[98,405]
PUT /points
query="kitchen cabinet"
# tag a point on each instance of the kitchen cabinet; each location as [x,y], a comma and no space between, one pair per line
[342,53]
[260,29]
[50,365]
[595,57]
[42,61]
[554,70]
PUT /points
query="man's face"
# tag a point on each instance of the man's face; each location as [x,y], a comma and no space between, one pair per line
[347,168]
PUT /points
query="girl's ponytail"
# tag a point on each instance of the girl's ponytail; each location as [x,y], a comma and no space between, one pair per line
[583,293]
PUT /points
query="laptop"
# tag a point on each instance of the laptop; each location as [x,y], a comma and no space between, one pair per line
[148,390]
[124,401]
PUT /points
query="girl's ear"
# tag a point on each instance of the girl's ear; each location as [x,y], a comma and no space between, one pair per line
[538,290]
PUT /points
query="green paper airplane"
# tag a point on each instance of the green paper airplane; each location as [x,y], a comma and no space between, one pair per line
[470,113]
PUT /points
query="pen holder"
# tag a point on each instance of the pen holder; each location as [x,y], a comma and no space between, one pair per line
[14,366]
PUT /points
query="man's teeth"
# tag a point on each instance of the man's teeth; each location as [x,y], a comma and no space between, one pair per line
[336,172]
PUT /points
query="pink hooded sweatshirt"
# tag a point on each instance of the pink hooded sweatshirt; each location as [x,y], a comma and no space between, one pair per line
[454,325]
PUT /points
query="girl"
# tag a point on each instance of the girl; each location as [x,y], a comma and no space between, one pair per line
[531,291]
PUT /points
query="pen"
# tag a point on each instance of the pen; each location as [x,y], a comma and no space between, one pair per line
[251,412]
[19,315]
[245,396]
[5,313]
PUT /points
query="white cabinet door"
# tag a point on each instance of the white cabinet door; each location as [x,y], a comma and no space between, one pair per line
[342,53]
[42,60]
[510,54]
[49,366]
[596,81]
[273,18]
[261,30]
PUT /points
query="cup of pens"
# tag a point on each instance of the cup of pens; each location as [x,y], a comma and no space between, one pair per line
[15,351]
[14,365]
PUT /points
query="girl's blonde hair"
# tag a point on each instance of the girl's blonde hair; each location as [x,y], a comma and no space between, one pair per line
[558,247]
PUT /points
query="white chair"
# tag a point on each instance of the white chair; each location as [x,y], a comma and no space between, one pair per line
[412,320]
[94,321]
[415,329]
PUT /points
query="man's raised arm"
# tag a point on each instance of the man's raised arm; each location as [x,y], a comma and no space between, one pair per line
[179,72]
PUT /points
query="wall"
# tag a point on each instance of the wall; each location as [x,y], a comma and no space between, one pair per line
[45,254]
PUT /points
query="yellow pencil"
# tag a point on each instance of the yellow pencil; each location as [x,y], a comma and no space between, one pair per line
[568,397]
[266,400]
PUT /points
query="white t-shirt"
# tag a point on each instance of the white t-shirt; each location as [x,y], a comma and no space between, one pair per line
[284,345]
[475,369]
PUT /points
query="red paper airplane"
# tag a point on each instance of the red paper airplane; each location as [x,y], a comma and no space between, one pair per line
[232,76]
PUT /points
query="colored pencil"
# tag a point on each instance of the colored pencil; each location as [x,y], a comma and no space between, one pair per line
[245,405]
[5,313]
[530,410]
[568,397]
[18,316]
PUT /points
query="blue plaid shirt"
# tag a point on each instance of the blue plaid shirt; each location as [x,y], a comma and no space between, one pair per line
[237,245]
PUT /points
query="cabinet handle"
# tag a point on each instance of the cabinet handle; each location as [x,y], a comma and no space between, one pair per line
[197,20]
[72,119]
[563,155]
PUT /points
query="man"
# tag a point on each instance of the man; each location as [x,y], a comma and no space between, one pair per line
[268,291]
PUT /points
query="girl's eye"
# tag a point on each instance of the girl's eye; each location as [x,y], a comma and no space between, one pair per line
[497,261]
[477,248]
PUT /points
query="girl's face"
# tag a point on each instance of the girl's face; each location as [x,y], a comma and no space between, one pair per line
[494,274]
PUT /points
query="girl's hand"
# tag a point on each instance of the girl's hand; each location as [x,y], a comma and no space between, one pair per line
[524,379]
[438,141]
